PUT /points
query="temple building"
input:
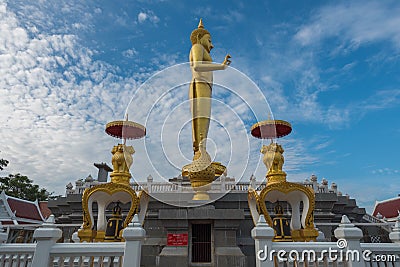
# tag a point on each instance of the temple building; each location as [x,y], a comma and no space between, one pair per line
[218,231]
[19,216]
[388,209]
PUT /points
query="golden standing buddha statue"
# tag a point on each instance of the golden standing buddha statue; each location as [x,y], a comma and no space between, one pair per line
[201,85]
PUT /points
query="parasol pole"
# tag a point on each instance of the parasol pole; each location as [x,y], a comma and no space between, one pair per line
[269,118]
[124,136]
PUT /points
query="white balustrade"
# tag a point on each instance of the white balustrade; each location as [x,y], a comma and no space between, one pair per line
[347,252]
[94,254]
[46,252]
[15,255]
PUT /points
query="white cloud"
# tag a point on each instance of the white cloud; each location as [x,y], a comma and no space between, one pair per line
[291,82]
[382,99]
[98,10]
[55,17]
[367,193]
[232,16]
[356,23]
[386,171]
[142,17]
[294,79]
[55,101]
[149,15]
[130,53]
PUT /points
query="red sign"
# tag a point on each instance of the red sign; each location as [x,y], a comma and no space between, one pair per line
[177,239]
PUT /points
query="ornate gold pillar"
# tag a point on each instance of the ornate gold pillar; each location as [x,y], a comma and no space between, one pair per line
[118,190]
[278,189]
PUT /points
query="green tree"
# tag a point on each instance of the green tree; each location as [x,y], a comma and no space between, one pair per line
[21,186]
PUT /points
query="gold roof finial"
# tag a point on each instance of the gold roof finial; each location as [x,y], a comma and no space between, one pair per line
[201,26]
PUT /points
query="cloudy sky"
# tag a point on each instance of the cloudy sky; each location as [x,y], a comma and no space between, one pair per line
[330,68]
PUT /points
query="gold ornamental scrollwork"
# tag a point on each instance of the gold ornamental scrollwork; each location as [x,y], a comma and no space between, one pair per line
[287,187]
[278,189]
[309,232]
[110,189]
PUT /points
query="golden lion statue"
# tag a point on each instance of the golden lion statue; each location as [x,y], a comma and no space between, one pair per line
[273,158]
[122,158]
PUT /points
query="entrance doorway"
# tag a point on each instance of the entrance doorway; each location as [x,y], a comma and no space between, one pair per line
[201,243]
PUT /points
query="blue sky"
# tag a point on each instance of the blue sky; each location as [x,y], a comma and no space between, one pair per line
[331,68]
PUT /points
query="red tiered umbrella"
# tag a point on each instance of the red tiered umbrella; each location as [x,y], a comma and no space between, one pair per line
[125,129]
[270,129]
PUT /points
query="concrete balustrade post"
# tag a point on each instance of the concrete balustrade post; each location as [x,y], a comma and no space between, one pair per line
[134,235]
[46,236]
[263,234]
[349,237]
[395,234]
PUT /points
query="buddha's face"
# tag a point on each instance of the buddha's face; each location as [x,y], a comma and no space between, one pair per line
[205,41]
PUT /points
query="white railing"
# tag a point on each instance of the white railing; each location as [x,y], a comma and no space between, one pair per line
[46,252]
[347,251]
[87,254]
[383,224]
[216,187]
[15,255]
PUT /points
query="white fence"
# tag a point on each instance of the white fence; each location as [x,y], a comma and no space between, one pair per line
[46,252]
[216,187]
[346,252]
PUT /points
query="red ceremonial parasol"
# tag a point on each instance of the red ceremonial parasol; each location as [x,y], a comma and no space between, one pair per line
[270,129]
[125,130]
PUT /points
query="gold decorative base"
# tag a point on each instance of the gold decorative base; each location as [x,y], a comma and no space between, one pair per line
[114,240]
[99,236]
[120,178]
[304,235]
[201,195]
[201,182]
[276,177]
[202,177]
[218,167]
[286,239]
[86,235]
